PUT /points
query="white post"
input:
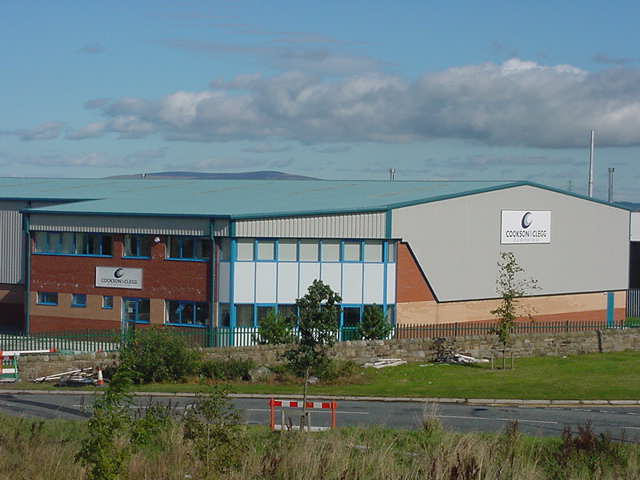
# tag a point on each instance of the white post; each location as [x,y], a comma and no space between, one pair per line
[591,161]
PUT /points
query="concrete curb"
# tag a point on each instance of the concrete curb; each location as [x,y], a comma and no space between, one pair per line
[507,402]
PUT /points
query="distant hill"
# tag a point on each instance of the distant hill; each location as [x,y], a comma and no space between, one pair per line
[260,175]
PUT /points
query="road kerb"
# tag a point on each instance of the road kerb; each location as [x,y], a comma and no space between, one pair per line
[514,402]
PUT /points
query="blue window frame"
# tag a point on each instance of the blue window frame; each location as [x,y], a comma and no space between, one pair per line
[72,243]
[195,249]
[107,302]
[351,251]
[262,310]
[137,246]
[351,315]
[47,298]
[266,250]
[136,310]
[78,300]
[193,314]
[287,250]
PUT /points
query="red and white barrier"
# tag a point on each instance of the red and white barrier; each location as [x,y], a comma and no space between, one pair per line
[9,363]
[332,406]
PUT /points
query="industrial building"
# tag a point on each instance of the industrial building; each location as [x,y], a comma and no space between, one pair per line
[101,253]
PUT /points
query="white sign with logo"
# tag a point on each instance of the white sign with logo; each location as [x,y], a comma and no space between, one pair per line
[118,277]
[525,226]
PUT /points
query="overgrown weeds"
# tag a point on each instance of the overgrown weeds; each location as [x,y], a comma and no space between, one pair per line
[210,442]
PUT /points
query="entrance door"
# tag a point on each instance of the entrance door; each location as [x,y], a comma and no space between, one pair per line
[134,310]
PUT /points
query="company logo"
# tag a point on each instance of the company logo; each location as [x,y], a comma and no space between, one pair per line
[526,220]
[119,273]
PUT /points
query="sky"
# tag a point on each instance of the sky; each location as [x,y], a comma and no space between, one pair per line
[493,90]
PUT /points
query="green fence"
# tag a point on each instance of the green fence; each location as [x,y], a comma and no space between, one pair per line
[110,340]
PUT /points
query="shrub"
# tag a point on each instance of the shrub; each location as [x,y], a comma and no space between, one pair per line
[338,369]
[275,329]
[230,369]
[374,325]
[158,354]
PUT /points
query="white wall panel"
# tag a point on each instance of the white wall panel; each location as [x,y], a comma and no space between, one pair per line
[391,283]
[266,282]
[244,282]
[331,274]
[122,224]
[635,226]
[351,283]
[457,243]
[308,273]
[223,282]
[287,282]
[373,283]
[347,225]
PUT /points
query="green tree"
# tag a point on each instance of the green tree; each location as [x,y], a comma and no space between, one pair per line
[213,427]
[374,325]
[275,329]
[510,286]
[318,323]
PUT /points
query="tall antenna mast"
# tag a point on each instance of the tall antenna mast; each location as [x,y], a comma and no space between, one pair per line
[610,196]
[591,160]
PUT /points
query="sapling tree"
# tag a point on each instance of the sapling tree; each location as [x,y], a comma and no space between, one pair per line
[510,285]
[318,323]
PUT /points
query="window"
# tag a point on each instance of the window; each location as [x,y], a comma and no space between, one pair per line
[187,313]
[262,311]
[135,310]
[224,315]
[266,250]
[330,251]
[244,249]
[189,248]
[78,300]
[47,298]
[66,243]
[225,250]
[391,252]
[244,315]
[107,302]
[287,250]
[373,251]
[288,311]
[137,246]
[350,316]
[308,250]
[351,252]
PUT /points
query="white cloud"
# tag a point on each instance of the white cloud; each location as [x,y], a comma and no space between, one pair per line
[514,103]
[44,131]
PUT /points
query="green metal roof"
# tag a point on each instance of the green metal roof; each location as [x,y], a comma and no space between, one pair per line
[234,198]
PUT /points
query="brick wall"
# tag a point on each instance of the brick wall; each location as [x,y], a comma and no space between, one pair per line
[162,279]
[412,286]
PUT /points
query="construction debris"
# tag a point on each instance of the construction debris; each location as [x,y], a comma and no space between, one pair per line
[384,362]
[75,378]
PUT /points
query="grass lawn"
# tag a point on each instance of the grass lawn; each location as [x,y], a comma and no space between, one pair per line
[609,376]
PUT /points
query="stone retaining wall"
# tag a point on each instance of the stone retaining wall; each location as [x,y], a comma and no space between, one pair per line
[362,351]
[481,346]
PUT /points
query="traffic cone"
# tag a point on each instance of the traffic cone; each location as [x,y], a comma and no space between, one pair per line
[100,381]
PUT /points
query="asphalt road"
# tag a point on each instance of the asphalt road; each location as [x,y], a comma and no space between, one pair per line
[620,422]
